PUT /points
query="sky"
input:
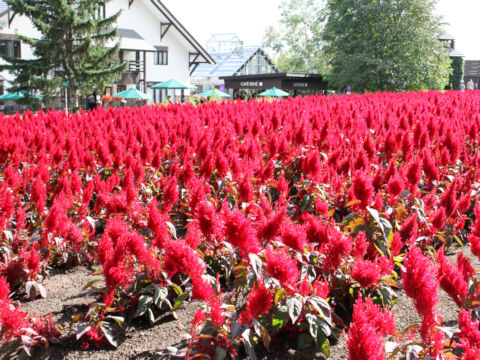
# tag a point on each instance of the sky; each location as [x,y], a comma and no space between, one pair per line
[250,18]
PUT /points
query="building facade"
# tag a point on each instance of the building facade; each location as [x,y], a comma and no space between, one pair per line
[232,58]
[156,46]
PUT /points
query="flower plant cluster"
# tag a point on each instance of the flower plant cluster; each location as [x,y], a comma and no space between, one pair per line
[298,220]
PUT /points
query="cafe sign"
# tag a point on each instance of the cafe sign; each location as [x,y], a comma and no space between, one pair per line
[248,84]
[302,85]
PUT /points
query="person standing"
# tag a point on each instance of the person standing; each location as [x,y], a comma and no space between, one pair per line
[462,85]
[92,101]
[470,85]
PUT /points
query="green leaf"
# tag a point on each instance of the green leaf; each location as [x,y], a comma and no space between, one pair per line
[294,308]
[109,336]
[160,294]
[90,284]
[279,295]
[179,301]
[256,264]
[220,353]
[144,304]
[304,341]
[118,319]
[151,316]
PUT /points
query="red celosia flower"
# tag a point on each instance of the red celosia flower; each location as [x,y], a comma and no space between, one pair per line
[438,218]
[397,244]
[413,174]
[4,289]
[245,189]
[216,316]
[170,194]
[395,186]
[451,279]
[305,288]
[366,273]
[360,247]
[39,194]
[362,189]
[369,326]
[321,288]
[293,235]
[207,219]
[420,284]
[198,318]
[269,228]
[179,257]
[259,302]
[408,231]
[464,266]
[93,336]
[32,261]
[202,289]
[239,232]
[13,320]
[282,268]
[336,249]
[469,333]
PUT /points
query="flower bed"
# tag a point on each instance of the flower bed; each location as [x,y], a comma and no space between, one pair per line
[303,218]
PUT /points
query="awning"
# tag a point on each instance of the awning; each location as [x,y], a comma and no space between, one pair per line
[131,40]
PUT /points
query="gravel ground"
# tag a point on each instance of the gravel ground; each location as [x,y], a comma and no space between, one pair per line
[65,298]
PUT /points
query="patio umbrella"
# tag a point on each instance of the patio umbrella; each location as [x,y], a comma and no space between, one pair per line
[214,92]
[274,92]
[132,94]
[173,84]
[15,96]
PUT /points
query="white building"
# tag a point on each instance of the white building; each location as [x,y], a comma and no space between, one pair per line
[155,44]
[232,59]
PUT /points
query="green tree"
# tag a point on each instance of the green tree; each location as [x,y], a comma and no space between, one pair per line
[76,45]
[457,74]
[297,43]
[385,45]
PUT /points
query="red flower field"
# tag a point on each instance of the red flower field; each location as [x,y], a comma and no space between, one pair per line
[302,219]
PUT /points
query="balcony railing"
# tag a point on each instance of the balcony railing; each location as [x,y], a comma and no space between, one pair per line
[135,66]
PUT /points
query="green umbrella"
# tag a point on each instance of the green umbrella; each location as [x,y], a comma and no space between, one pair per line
[15,96]
[173,84]
[214,92]
[274,92]
[132,94]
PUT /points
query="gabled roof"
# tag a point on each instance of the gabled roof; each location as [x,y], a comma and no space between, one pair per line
[228,65]
[445,37]
[181,29]
[3,7]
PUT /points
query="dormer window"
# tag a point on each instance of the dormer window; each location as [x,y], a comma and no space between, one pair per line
[161,55]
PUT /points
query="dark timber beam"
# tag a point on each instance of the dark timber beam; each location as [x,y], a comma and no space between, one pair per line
[164,28]
[193,69]
[10,18]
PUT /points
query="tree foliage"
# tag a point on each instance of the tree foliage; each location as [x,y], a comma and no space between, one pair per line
[76,44]
[297,43]
[457,74]
[387,45]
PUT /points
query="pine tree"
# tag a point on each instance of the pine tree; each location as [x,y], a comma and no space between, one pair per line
[385,45]
[76,47]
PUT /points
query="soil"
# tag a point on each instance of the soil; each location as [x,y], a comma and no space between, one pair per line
[65,298]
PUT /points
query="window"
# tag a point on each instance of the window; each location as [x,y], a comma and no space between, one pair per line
[16,49]
[161,57]
[101,12]
[3,47]
[10,48]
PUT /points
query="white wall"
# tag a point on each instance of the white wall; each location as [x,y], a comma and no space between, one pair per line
[145,19]
[23,26]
